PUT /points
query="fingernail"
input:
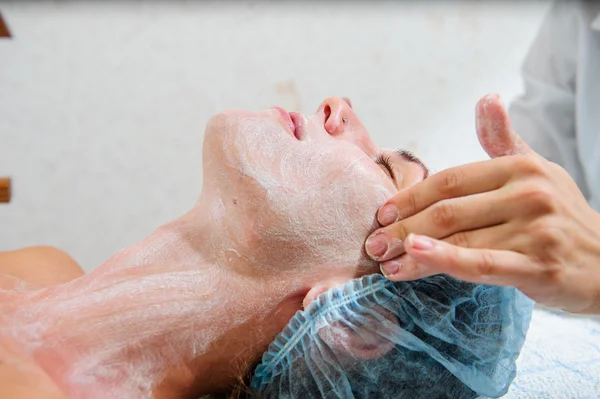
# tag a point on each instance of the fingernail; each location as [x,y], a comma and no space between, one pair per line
[388,214]
[390,268]
[420,243]
[376,245]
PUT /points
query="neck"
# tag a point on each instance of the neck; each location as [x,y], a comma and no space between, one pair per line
[159,319]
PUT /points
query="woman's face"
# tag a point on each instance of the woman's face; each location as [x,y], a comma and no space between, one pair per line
[296,193]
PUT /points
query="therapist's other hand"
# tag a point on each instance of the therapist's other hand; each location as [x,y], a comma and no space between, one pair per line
[516,220]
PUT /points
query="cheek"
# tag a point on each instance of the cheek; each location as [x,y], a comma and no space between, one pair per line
[298,204]
[324,220]
[240,139]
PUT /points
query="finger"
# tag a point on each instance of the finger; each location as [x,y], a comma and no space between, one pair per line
[499,237]
[497,138]
[494,130]
[441,220]
[474,178]
[405,267]
[484,266]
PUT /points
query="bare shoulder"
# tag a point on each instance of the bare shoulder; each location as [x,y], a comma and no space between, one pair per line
[40,266]
[27,269]
[23,381]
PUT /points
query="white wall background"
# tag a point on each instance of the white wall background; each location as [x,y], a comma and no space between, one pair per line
[103,105]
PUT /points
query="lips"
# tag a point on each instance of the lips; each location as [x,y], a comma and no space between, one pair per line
[293,122]
[286,120]
[299,129]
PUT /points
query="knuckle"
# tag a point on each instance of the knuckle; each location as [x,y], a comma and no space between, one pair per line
[460,239]
[452,256]
[556,172]
[549,235]
[449,182]
[486,266]
[530,165]
[538,198]
[552,273]
[412,202]
[400,231]
[413,269]
[443,215]
[549,238]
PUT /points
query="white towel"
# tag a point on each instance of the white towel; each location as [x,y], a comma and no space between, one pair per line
[560,358]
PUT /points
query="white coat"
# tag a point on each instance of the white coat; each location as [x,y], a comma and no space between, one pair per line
[559,113]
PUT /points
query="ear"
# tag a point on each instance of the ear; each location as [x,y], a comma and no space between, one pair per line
[367,336]
[364,340]
[494,131]
[323,286]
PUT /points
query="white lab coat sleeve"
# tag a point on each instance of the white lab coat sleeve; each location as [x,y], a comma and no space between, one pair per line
[544,115]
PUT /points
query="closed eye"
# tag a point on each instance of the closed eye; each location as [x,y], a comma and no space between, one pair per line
[384,160]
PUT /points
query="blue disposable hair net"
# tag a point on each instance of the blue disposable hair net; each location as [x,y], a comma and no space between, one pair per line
[433,338]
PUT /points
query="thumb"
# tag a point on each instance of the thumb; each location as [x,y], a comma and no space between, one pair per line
[494,131]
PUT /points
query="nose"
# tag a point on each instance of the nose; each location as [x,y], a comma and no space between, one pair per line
[338,115]
[341,123]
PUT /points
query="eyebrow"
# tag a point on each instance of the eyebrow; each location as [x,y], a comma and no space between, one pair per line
[410,157]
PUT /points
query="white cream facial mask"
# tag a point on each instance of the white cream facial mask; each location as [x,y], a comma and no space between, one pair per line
[292,204]
[275,215]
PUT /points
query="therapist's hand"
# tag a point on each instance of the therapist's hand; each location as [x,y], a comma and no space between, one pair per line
[516,219]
